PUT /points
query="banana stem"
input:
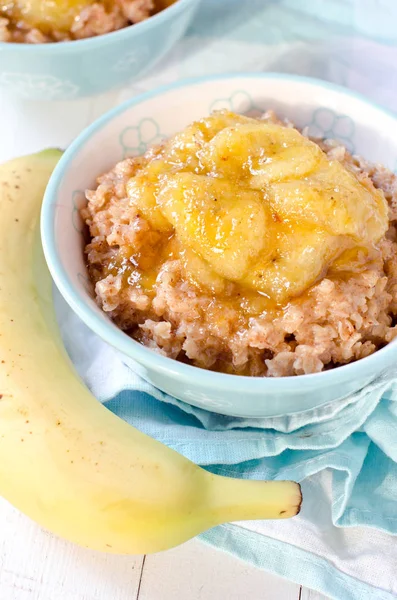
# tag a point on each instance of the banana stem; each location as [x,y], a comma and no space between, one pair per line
[243,499]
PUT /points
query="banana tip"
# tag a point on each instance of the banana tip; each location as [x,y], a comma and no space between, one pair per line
[300,499]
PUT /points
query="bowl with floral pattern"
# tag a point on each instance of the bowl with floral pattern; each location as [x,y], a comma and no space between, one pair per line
[323,110]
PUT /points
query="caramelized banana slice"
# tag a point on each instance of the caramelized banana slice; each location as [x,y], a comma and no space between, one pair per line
[142,191]
[260,152]
[199,272]
[356,260]
[300,256]
[334,199]
[183,147]
[339,204]
[365,207]
[226,225]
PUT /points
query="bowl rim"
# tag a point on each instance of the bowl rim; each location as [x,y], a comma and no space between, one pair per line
[118,35]
[109,332]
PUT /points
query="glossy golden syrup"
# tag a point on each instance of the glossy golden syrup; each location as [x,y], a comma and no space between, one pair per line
[140,269]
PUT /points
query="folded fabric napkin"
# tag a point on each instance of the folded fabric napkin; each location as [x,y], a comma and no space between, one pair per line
[344,454]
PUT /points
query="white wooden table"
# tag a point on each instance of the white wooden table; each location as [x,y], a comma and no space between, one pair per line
[35,565]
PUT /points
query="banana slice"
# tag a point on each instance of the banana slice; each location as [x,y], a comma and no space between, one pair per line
[301,255]
[261,153]
[199,272]
[227,226]
[335,200]
[183,147]
[142,190]
[351,207]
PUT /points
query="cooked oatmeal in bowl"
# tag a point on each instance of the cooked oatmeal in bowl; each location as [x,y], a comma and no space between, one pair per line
[240,245]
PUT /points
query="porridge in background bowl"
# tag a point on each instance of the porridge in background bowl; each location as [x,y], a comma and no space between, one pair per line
[241,246]
[41,21]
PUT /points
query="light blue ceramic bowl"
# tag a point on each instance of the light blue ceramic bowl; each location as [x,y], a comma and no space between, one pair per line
[129,129]
[67,70]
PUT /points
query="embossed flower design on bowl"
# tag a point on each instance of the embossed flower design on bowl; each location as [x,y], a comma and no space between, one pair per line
[326,123]
[78,201]
[131,60]
[239,102]
[136,139]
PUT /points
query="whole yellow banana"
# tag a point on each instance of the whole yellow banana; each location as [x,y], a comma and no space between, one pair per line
[65,460]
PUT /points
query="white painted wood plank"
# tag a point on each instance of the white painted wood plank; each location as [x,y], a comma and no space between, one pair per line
[195,571]
[35,565]
[307,594]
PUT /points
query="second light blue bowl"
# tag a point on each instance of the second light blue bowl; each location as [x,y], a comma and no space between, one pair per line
[68,70]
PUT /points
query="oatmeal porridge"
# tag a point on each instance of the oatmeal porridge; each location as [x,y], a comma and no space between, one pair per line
[240,245]
[41,21]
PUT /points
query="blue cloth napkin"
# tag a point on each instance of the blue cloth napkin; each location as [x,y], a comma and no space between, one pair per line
[344,454]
